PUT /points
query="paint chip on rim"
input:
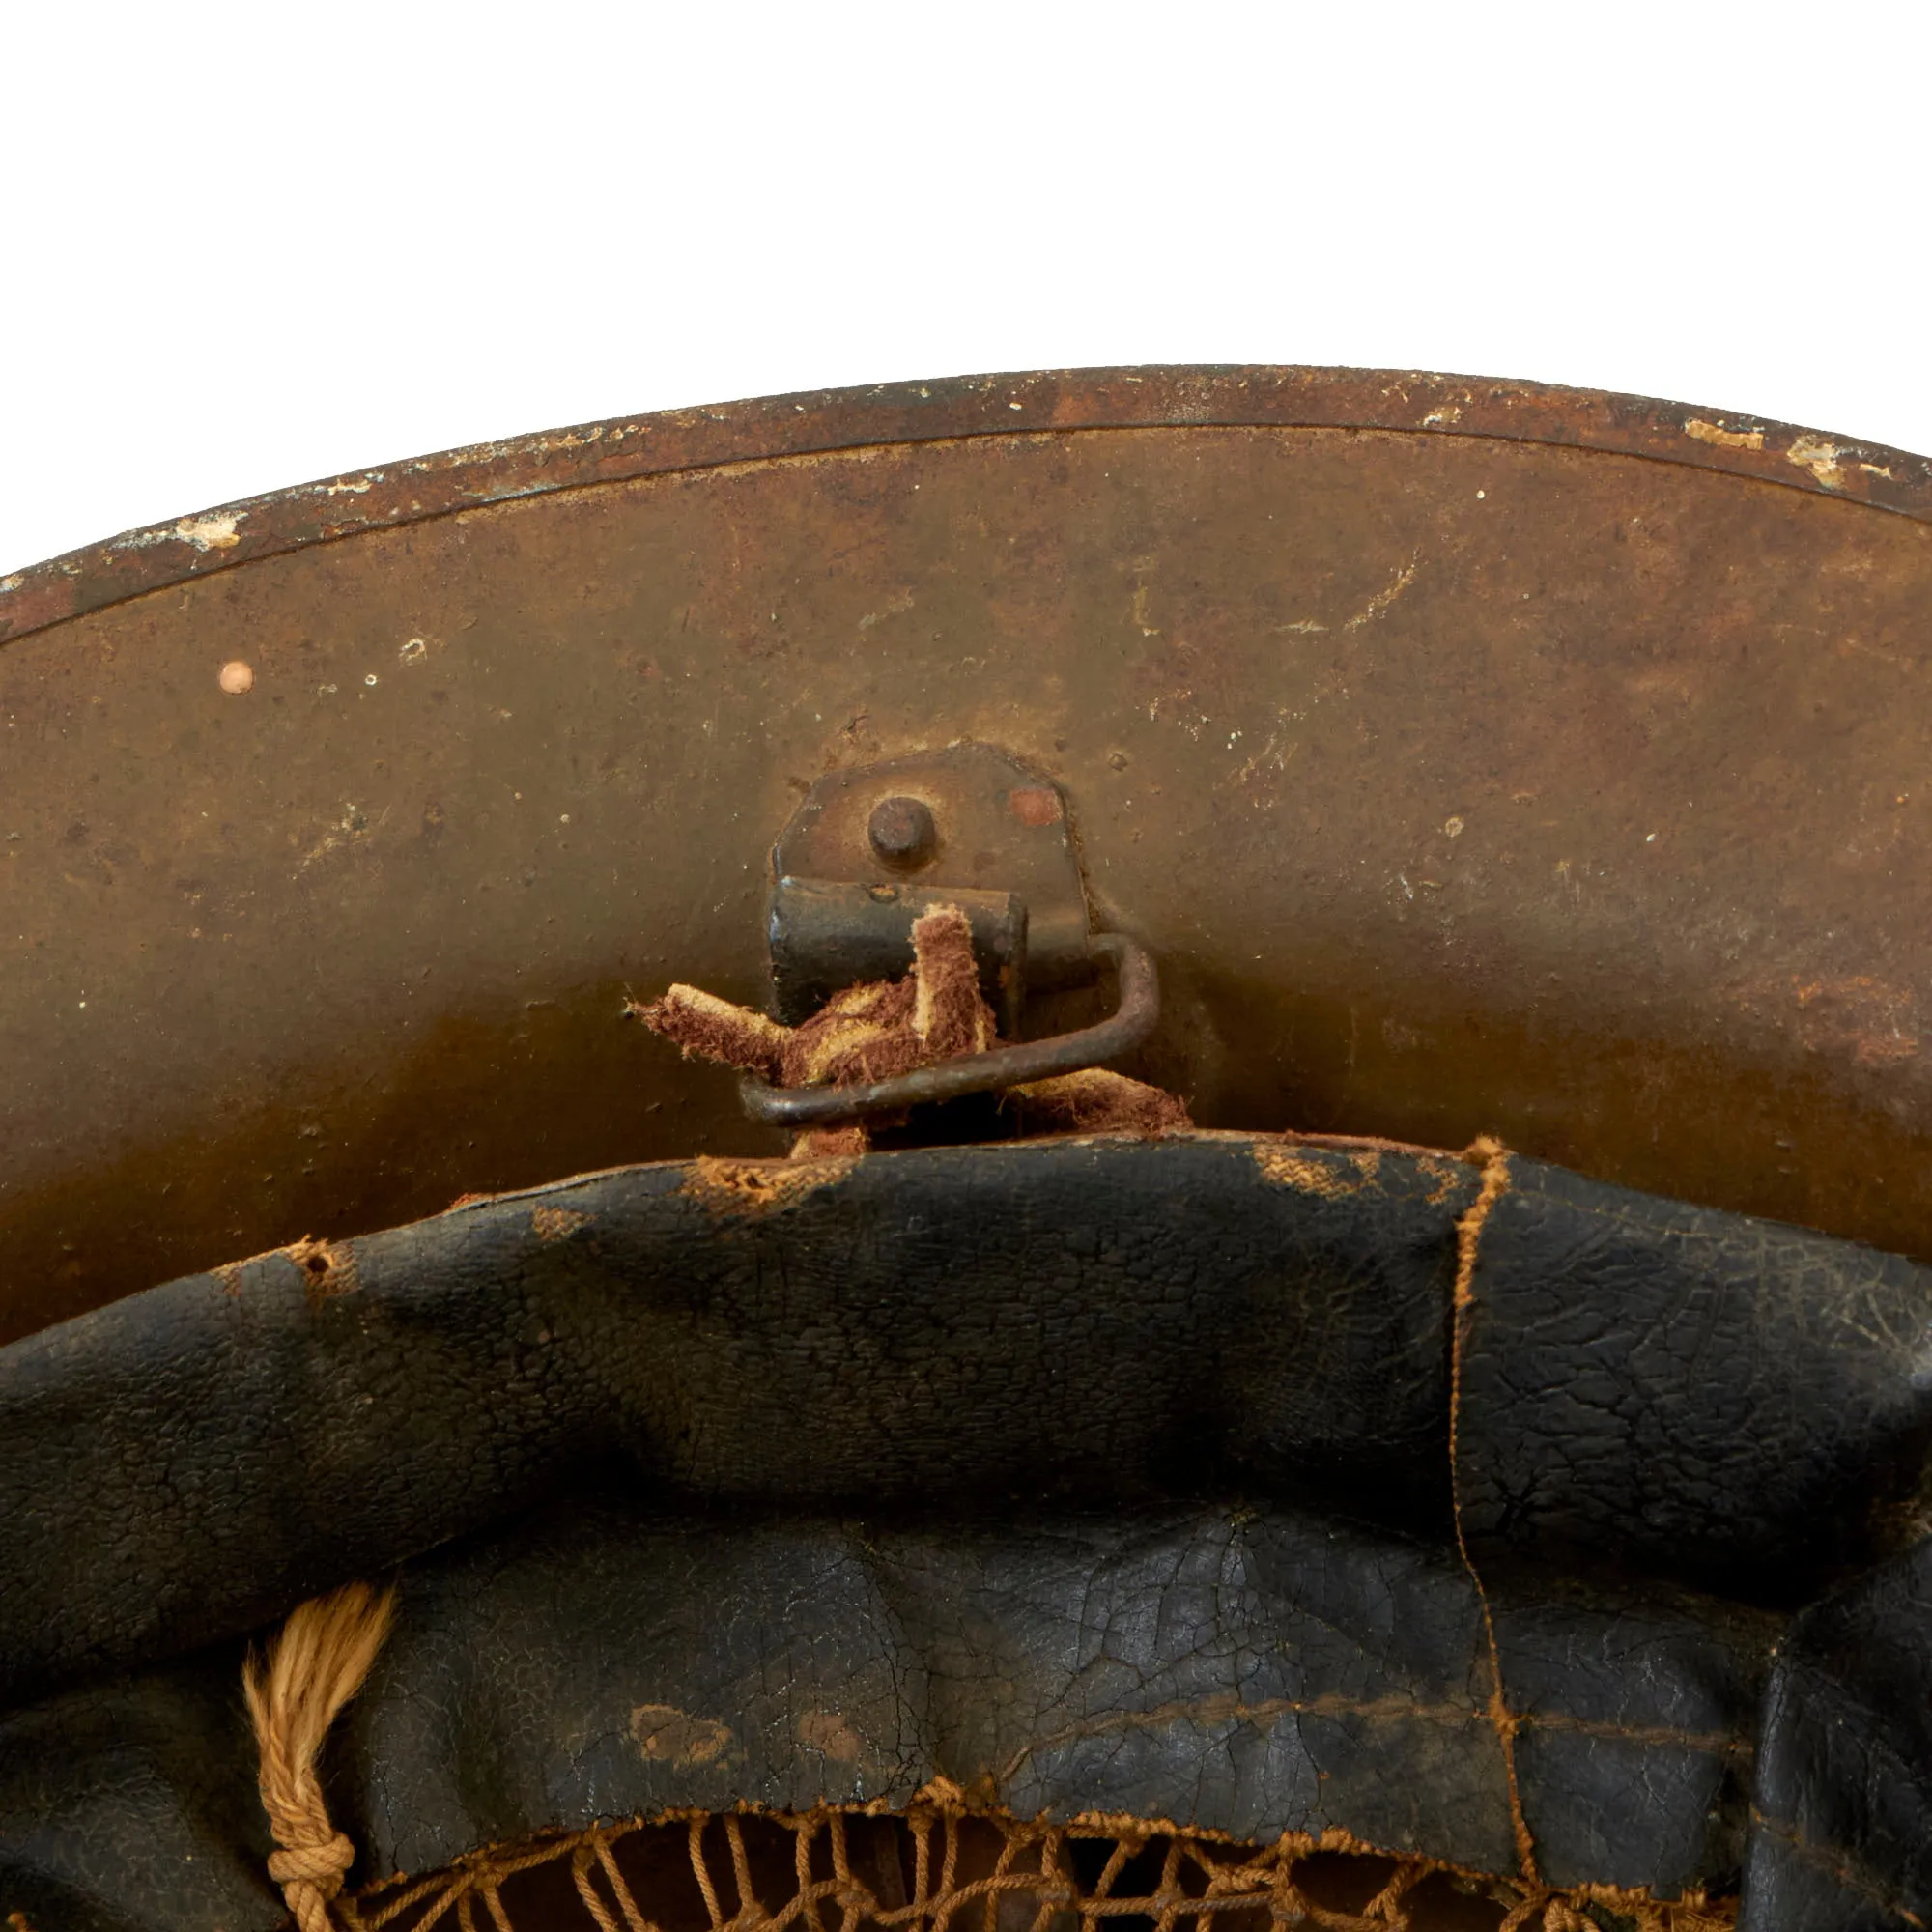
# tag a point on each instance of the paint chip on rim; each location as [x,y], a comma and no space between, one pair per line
[211,533]
[1720,438]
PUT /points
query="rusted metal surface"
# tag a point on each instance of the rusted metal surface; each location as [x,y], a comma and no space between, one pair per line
[427,487]
[1477,774]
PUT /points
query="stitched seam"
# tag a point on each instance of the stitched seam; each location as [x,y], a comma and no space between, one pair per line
[1829,1859]
[1494,1160]
[1220,1710]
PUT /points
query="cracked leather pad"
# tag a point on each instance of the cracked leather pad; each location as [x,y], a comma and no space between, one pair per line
[1249,1671]
[1100,1476]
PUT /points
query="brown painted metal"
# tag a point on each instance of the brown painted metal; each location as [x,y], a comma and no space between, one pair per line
[1471,757]
[777,426]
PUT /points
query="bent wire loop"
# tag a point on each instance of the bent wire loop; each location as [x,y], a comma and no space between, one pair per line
[1130,1023]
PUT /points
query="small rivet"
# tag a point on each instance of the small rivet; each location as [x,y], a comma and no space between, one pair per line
[902,830]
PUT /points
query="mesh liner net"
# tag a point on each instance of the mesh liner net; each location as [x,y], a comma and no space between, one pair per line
[937,1868]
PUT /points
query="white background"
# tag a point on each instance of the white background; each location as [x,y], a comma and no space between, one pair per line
[245,246]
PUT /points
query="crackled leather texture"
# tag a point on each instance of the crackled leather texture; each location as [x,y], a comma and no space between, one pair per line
[1100,1476]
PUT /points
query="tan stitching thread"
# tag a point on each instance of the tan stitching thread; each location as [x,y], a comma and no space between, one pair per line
[315,1663]
[1493,1159]
[1229,1708]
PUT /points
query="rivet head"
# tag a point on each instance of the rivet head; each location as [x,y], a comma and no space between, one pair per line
[902,832]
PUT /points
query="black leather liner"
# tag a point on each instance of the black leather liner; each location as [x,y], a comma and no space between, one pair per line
[1104,1475]
[1250,1672]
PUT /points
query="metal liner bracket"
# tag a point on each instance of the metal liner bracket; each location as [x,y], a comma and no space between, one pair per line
[872,848]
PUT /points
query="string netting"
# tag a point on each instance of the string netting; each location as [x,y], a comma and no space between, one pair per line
[937,1868]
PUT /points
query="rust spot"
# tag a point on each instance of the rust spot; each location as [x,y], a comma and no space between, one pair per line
[1034,805]
[1311,1173]
[761,1186]
[667,1735]
[1878,1023]
[328,1267]
[558,1224]
[828,1732]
